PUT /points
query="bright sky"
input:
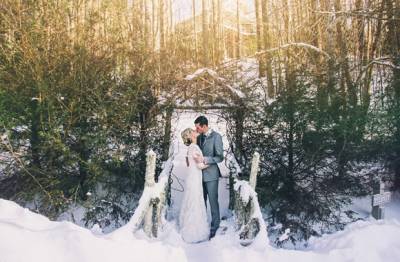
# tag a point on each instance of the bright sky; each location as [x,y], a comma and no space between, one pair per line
[183,8]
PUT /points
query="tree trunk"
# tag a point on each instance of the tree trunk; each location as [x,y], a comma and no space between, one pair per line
[219,36]
[35,138]
[291,85]
[167,134]
[239,131]
[267,45]
[153,27]
[162,27]
[171,20]
[238,40]
[261,69]
[195,33]
[205,33]
[143,145]
[84,155]
[146,29]
[215,32]
[316,39]
[394,46]
[365,94]
[351,91]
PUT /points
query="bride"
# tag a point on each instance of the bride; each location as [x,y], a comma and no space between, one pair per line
[193,216]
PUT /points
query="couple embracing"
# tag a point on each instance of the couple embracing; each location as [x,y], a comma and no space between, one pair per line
[205,151]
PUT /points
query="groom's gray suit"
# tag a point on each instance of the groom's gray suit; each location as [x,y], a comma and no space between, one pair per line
[213,152]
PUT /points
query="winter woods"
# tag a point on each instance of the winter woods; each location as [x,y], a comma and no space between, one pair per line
[329,81]
[87,87]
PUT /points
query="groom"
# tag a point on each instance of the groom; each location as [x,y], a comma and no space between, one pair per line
[211,145]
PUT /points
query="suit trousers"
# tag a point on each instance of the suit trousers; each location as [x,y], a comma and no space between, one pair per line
[210,190]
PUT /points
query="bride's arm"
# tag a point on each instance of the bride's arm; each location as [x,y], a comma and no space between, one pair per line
[199,159]
[201,165]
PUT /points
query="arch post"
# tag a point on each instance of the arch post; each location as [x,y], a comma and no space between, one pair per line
[150,169]
[255,167]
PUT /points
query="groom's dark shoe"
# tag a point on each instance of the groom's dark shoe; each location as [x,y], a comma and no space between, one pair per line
[212,234]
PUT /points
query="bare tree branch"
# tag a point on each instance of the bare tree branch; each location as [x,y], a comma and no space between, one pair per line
[289,45]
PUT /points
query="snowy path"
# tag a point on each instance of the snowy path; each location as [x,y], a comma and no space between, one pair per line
[29,237]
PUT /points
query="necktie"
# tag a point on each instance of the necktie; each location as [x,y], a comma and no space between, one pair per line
[202,140]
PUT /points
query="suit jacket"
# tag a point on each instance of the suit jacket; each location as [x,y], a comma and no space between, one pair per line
[213,152]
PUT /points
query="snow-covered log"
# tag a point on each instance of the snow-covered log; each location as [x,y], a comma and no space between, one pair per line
[246,209]
[150,213]
[247,212]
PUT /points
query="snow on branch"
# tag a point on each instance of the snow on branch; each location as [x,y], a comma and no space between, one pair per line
[204,71]
[383,61]
[370,13]
[236,91]
[289,45]
[201,72]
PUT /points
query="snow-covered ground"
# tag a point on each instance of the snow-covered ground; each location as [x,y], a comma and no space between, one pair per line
[30,237]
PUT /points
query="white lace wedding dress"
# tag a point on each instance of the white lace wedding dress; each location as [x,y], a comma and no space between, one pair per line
[193,215]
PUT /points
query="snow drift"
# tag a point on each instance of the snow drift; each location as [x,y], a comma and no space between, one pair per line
[27,236]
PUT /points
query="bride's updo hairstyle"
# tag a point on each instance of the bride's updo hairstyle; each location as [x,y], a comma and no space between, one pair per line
[187,136]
